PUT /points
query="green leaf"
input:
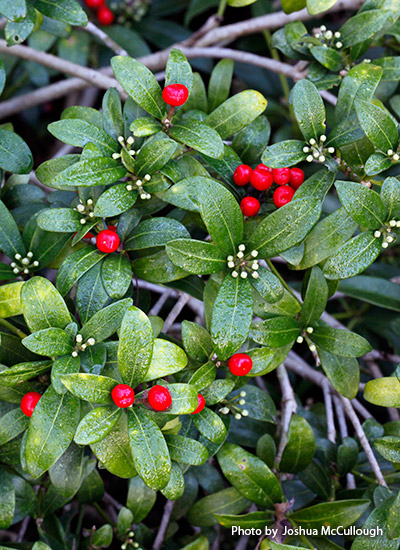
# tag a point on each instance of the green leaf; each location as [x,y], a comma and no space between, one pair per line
[327,57]
[363,26]
[79,133]
[389,448]
[268,285]
[390,195]
[42,305]
[198,136]
[23,371]
[250,142]
[60,220]
[196,341]
[231,316]
[377,163]
[326,237]
[300,446]
[178,70]
[155,232]
[284,153]
[139,82]
[76,265]
[220,83]
[340,341]
[364,205]
[90,387]
[114,450]
[67,11]
[153,156]
[112,119]
[7,502]
[13,423]
[51,429]
[10,299]
[210,425]
[176,484]
[49,341]
[378,520]
[14,11]
[66,473]
[236,113]
[393,526]
[204,376]
[10,239]
[115,200]
[353,257]
[289,6]
[384,392]
[341,513]
[250,476]
[106,321]
[217,391]
[347,455]
[198,96]
[359,84]
[373,290]
[91,296]
[90,173]
[140,499]
[309,109]
[227,501]
[285,227]
[256,520]
[157,268]
[315,299]
[378,125]
[167,359]
[116,273]
[63,365]
[145,126]
[15,155]
[221,215]
[196,256]
[184,398]
[186,450]
[315,7]
[47,171]
[275,332]
[149,449]
[343,372]
[135,347]
[96,425]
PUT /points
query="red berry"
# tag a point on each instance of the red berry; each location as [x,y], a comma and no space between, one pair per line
[250,206]
[159,398]
[88,235]
[29,402]
[112,227]
[283,195]
[241,176]
[261,178]
[281,176]
[94,4]
[296,177]
[201,404]
[240,364]
[175,95]
[123,396]
[105,16]
[107,241]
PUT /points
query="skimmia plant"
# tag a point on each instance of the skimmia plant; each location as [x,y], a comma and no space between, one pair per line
[199,326]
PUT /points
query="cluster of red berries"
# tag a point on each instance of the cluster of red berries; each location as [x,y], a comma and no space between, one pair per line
[262,178]
[104,15]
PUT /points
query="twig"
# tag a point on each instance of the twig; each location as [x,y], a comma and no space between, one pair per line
[289,406]
[169,505]
[330,420]
[103,37]
[361,409]
[363,440]
[175,311]
[23,528]
[341,418]
[155,310]
[330,98]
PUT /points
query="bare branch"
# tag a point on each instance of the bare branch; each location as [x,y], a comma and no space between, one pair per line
[103,37]
[330,421]
[159,540]
[350,480]
[289,406]
[175,311]
[363,440]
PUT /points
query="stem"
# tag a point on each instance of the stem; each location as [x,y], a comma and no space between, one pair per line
[221,8]
[282,280]
[13,329]
[289,407]
[105,516]
[158,543]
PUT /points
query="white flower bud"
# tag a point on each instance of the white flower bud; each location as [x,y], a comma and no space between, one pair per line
[35,263]
[74,354]
[390,152]
[16,270]
[392,223]
[312,141]
[242,393]
[240,254]
[255,275]
[322,158]
[80,208]
[238,416]
[231,264]
[398,224]
[299,339]
[139,183]
[29,255]
[385,245]
[323,138]
[313,348]
[317,35]
[243,275]
[245,412]
[390,239]
[18,256]
[83,346]
[91,214]
[331,150]
[147,177]
[306,149]
[310,158]
[235,274]
[115,156]
[338,45]
[130,140]
[25,261]
[337,34]
[91,341]
[396,157]
[129,187]
[13,264]
[254,253]
[377,234]
[328,35]
[229,258]
[89,202]
[79,338]
[224,410]
[310,330]
[255,266]
[242,401]
[316,154]
[242,247]
[83,221]
[121,139]
[322,28]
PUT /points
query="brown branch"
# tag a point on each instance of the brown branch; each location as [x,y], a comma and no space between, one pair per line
[92,29]
[330,420]
[159,540]
[341,418]
[289,407]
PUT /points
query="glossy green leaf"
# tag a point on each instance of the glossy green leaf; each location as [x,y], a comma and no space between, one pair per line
[364,205]
[67,11]
[15,11]
[90,387]
[196,341]
[12,424]
[315,299]
[11,303]
[140,499]
[43,307]
[347,455]
[220,83]
[328,57]
[139,82]
[204,376]
[268,285]
[378,125]
[149,449]
[343,372]
[186,450]
[7,502]
[90,172]
[10,239]
[157,268]
[63,365]
[15,155]
[275,332]
[359,84]
[249,475]
[66,473]
[217,390]
[250,142]
[363,26]
[167,358]
[91,295]
[373,290]
[384,392]
[300,446]
[231,316]
[49,341]
[198,136]
[76,265]
[155,232]
[79,133]
[115,200]
[284,153]
[196,256]
[340,342]
[309,109]
[96,425]
[210,425]
[106,321]
[22,372]
[236,113]
[390,195]
[178,70]
[227,501]
[112,119]
[116,273]
[51,430]
[341,513]
[153,156]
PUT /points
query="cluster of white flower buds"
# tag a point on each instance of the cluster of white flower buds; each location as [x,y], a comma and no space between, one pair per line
[386,233]
[300,339]
[317,151]
[242,265]
[81,345]
[130,542]
[395,156]
[24,265]
[85,210]
[329,38]
[137,185]
[231,406]
[125,145]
